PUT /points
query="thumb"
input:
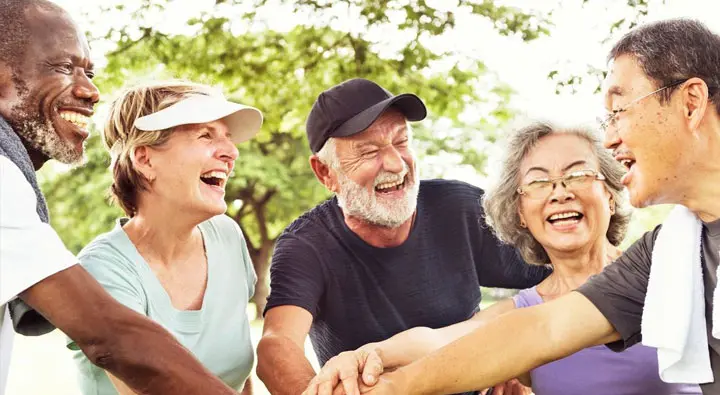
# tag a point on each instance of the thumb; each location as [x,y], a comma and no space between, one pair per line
[373,369]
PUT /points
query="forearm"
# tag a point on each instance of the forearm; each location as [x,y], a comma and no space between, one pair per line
[415,343]
[510,345]
[407,346]
[282,366]
[247,389]
[131,347]
[151,361]
[508,349]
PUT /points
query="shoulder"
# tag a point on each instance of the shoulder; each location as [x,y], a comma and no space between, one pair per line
[315,223]
[640,252]
[527,297]
[109,251]
[16,193]
[222,226]
[449,187]
[450,198]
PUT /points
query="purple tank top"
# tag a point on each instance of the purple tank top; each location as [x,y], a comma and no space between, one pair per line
[599,371]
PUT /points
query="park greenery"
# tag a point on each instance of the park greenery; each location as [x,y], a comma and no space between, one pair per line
[281,71]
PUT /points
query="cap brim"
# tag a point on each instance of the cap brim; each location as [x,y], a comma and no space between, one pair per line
[408,104]
[242,121]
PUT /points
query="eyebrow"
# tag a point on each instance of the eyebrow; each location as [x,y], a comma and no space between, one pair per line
[566,168]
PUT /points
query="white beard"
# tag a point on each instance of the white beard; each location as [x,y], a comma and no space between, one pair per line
[357,201]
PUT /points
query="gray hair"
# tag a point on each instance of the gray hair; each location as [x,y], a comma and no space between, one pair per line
[328,154]
[674,50]
[501,201]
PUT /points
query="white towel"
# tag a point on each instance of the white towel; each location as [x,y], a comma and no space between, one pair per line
[673,319]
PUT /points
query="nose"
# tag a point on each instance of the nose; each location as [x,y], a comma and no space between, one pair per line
[85,89]
[392,160]
[226,149]
[560,193]
[611,137]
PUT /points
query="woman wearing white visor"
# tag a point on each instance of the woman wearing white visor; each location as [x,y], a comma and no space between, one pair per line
[176,257]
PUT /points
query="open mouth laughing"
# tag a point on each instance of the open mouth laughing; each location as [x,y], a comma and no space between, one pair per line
[392,186]
[565,218]
[215,178]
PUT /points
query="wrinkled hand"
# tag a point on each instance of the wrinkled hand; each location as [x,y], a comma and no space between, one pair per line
[348,370]
[510,387]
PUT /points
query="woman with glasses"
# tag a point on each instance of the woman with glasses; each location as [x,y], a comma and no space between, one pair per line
[559,201]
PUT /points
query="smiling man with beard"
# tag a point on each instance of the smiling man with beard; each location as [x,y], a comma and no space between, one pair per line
[46,99]
[389,252]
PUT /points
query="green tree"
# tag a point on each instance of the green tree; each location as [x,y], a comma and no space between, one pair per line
[282,72]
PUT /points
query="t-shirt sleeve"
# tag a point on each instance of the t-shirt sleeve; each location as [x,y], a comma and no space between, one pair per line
[501,266]
[115,277]
[619,291]
[30,250]
[296,277]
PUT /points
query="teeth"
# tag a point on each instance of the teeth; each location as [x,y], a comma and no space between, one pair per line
[627,162]
[75,118]
[386,185]
[215,174]
[564,215]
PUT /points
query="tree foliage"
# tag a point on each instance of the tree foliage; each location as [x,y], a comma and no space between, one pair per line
[281,71]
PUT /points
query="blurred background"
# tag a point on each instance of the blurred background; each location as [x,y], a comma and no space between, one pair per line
[482,67]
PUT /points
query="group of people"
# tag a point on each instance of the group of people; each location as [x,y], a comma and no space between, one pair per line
[385,276]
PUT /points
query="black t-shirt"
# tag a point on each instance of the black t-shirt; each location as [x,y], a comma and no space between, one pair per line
[359,294]
[619,292]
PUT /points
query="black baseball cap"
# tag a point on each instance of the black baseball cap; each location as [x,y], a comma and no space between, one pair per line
[352,106]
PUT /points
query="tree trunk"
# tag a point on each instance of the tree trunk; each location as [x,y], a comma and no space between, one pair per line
[261,262]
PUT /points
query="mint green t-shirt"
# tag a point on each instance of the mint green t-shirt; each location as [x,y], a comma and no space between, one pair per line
[218,334]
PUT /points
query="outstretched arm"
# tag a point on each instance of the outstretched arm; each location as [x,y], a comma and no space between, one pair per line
[133,348]
[370,360]
[516,342]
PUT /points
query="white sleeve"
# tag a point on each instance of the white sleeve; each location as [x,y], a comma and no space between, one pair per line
[30,250]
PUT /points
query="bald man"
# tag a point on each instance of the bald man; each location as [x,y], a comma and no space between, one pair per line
[46,99]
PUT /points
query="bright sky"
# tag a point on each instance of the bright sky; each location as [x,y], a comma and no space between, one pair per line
[573,45]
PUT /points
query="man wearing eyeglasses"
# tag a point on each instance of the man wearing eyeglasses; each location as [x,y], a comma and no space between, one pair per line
[664,127]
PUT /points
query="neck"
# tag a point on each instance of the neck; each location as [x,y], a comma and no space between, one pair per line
[379,236]
[701,186]
[572,269]
[702,197]
[37,158]
[162,234]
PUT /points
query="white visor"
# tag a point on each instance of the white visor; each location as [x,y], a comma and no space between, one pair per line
[243,122]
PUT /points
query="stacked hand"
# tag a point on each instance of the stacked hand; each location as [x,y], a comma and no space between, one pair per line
[362,372]
[350,373]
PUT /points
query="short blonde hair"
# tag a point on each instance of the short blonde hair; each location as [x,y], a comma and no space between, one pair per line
[501,201]
[121,137]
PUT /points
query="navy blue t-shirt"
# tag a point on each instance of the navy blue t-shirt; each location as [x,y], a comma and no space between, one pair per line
[359,294]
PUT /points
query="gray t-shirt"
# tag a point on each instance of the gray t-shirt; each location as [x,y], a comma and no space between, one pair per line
[619,292]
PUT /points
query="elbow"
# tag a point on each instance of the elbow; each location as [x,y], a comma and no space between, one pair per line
[110,347]
[101,351]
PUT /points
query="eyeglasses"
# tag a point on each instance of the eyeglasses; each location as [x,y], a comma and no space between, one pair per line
[610,118]
[574,181]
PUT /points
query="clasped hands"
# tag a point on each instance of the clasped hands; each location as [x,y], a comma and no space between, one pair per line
[362,372]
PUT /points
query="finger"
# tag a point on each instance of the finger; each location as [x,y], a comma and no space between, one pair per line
[325,388]
[499,389]
[339,390]
[312,388]
[373,369]
[350,384]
